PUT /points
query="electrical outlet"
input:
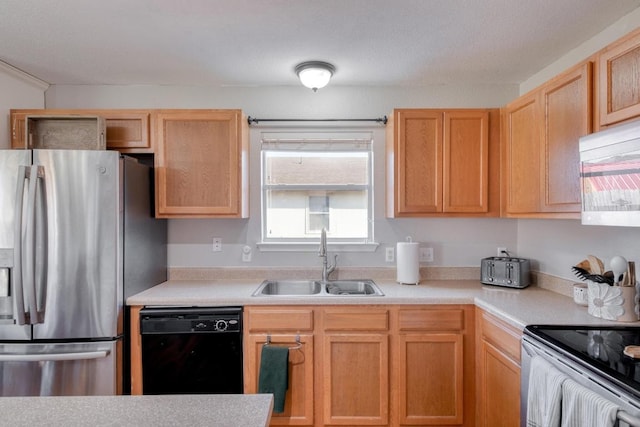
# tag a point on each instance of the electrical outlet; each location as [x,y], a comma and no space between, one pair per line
[425,255]
[389,254]
[501,251]
[217,244]
[246,253]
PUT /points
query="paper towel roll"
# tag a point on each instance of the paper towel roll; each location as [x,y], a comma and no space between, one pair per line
[408,265]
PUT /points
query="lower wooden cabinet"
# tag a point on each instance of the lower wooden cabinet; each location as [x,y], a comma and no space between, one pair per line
[354,363]
[434,365]
[383,365]
[298,408]
[283,326]
[498,372]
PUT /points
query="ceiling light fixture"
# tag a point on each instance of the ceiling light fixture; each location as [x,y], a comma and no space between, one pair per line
[315,74]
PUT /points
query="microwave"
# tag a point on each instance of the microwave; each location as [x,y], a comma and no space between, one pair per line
[610,176]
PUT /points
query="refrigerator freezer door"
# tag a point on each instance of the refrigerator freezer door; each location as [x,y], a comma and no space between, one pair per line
[12,164]
[83,286]
[70,369]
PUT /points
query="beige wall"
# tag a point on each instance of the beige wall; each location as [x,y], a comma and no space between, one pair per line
[553,245]
[556,245]
[17,90]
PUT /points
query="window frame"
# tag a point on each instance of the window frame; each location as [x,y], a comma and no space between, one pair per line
[312,141]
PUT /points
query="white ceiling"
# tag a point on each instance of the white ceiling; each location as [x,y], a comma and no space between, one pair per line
[259,42]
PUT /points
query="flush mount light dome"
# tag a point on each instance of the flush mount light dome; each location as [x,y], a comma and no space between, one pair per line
[315,74]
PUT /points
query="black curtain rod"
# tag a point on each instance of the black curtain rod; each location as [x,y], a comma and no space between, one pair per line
[252,120]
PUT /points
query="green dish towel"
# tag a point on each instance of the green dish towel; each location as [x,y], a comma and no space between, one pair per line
[274,374]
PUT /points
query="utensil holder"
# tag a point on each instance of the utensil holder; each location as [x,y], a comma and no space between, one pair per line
[617,303]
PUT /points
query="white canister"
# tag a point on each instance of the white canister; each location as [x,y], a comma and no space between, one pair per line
[581,294]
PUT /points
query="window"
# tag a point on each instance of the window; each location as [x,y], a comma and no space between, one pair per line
[311,182]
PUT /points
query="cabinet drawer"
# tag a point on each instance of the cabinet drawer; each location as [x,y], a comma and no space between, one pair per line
[355,319]
[503,336]
[431,319]
[280,319]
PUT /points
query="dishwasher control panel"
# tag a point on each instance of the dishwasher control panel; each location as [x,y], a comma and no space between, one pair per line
[183,320]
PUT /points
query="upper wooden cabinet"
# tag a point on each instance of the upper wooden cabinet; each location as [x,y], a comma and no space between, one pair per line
[522,155]
[201,164]
[442,163]
[541,155]
[127,130]
[619,80]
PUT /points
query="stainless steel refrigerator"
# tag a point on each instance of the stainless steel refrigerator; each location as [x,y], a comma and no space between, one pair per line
[77,236]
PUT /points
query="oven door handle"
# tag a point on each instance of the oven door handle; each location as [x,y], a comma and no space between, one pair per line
[528,348]
[629,419]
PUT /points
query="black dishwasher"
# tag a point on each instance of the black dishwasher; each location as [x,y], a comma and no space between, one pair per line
[191,350]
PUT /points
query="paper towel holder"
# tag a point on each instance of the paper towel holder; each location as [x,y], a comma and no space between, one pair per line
[407,262]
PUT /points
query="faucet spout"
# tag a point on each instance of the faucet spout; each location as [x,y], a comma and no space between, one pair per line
[327,268]
[322,252]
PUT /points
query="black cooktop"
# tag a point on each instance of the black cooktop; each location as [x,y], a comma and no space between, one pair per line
[599,348]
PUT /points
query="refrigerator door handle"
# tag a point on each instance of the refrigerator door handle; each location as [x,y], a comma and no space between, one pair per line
[41,249]
[18,293]
[54,357]
[29,248]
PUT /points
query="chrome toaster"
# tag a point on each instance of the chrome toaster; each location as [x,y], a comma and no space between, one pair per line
[505,271]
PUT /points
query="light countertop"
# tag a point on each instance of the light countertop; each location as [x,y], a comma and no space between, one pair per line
[519,307]
[222,410]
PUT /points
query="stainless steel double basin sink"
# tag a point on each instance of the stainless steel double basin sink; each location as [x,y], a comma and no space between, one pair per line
[364,287]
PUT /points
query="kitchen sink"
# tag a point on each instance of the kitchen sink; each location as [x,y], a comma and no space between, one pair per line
[360,287]
[352,287]
[288,287]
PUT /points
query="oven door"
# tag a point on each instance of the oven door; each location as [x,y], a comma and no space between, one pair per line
[532,347]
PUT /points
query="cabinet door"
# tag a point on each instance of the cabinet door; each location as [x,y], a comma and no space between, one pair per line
[127,130]
[355,379]
[199,164]
[298,409]
[522,155]
[431,379]
[568,116]
[466,161]
[498,372]
[619,81]
[18,120]
[418,161]
[499,388]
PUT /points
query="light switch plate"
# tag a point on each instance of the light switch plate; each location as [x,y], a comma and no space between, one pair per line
[389,254]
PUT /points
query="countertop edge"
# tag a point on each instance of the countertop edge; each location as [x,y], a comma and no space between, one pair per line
[518,307]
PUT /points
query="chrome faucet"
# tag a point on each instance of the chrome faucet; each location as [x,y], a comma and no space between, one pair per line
[326,268]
